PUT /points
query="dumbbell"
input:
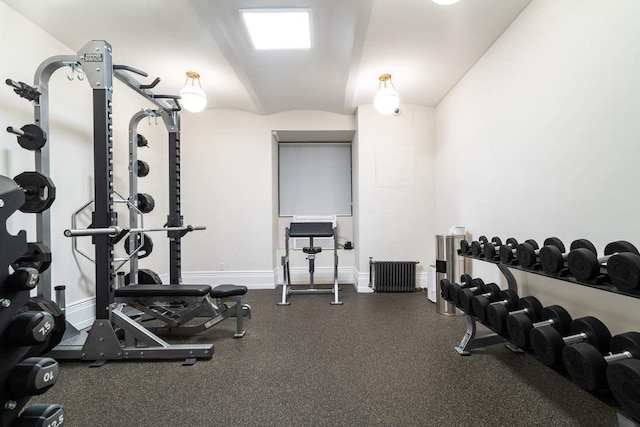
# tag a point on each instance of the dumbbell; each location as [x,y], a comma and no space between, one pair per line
[143,168]
[30,328]
[498,312]
[490,249]
[624,271]
[553,260]
[587,366]
[508,252]
[455,289]
[481,303]
[145,202]
[520,324]
[446,286]
[465,247]
[624,381]
[585,265]
[477,246]
[41,415]
[527,252]
[490,290]
[547,342]
[32,376]
[23,279]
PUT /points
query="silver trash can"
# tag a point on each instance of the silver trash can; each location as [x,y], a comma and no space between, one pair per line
[449,265]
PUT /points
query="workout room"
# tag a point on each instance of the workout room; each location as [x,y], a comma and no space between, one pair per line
[319,212]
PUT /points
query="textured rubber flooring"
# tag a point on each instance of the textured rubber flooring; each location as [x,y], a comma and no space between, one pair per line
[377,360]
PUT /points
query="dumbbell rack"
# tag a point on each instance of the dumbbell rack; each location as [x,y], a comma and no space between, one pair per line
[470,341]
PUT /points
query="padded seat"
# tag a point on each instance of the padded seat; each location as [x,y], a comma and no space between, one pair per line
[132,291]
[224,291]
[312,250]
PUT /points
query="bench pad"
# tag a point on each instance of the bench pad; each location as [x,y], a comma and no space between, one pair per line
[132,291]
[224,291]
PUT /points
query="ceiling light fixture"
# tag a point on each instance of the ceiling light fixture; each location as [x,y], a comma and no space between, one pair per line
[192,96]
[387,100]
[445,2]
[278,28]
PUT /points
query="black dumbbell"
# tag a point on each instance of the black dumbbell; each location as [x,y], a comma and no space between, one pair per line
[498,312]
[520,324]
[455,289]
[587,366]
[446,286]
[490,249]
[490,290]
[32,376]
[465,247]
[23,279]
[480,303]
[30,137]
[553,260]
[508,253]
[30,328]
[477,246]
[547,342]
[41,415]
[143,169]
[585,265]
[624,381]
[145,202]
[624,271]
[527,252]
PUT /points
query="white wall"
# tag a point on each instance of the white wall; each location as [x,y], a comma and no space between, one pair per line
[71,144]
[228,185]
[541,137]
[395,188]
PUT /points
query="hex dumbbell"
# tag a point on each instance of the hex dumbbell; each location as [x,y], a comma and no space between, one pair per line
[520,324]
[490,290]
[553,260]
[498,312]
[624,271]
[624,381]
[481,303]
[547,342]
[585,265]
[455,289]
[527,253]
[489,249]
[477,246]
[587,366]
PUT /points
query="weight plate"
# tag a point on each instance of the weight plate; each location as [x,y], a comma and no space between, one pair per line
[551,259]
[619,247]
[526,255]
[586,366]
[547,344]
[554,241]
[560,317]
[583,264]
[628,341]
[518,326]
[496,241]
[39,191]
[142,141]
[597,332]
[623,378]
[143,169]
[38,256]
[583,243]
[34,139]
[145,277]
[143,241]
[624,271]
[533,244]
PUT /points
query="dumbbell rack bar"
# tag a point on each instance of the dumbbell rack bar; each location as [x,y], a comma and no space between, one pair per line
[470,341]
[597,283]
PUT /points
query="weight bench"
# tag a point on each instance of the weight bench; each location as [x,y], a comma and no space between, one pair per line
[186,309]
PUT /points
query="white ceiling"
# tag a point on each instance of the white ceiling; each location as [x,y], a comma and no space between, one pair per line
[426,47]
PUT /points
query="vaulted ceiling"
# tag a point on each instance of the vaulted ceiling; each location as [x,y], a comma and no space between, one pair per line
[426,47]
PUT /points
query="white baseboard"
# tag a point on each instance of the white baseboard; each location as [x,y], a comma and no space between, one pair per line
[258,279]
[82,313]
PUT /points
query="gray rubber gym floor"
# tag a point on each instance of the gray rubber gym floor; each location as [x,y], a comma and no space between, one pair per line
[377,360]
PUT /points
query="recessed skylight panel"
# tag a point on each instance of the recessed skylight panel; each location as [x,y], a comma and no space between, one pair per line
[278,28]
